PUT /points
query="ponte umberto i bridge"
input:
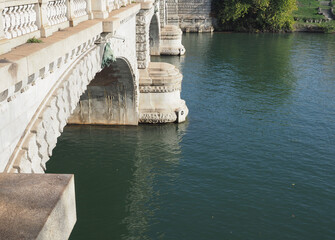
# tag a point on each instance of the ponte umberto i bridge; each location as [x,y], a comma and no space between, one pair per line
[92,67]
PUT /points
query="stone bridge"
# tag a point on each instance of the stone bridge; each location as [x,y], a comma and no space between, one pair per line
[92,67]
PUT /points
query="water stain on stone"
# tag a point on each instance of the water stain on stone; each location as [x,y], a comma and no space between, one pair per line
[3,95]
[13,70]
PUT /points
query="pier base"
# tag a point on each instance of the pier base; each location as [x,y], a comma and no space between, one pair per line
[171,37]
[160,87]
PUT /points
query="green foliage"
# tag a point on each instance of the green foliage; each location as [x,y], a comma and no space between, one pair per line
[307,10]
[34,40]
[255,15]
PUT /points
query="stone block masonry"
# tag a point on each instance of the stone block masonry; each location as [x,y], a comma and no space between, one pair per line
[195,15]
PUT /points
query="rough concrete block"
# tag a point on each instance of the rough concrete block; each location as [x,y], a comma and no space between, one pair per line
[36,206]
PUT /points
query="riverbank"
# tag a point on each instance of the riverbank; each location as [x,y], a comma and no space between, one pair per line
[324,27]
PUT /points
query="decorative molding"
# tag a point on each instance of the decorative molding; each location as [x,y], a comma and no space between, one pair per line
[160,89]
[157,117]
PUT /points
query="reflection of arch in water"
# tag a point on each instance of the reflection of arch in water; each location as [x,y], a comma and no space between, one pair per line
[154,35]
[110,98]
[157,153]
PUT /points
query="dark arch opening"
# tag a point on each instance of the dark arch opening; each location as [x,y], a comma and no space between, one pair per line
[154,36]
[110,98]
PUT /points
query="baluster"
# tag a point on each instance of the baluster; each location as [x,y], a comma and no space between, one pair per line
[48,12]
[22,22]
[60,14]
[74,5]
[18,21]
[25,19]
[53,13]
[12,22]
[81,11]
[64,10]
[32,18]
[84,5]
[77,8]
[59,11]
[73,8]
[56,12]
[6,22]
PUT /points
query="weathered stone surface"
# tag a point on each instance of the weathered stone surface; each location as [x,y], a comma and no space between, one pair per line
[171,37]
[194,15]
[160,87]
[36,206]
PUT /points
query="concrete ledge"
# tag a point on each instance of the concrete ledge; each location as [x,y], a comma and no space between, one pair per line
[36,206]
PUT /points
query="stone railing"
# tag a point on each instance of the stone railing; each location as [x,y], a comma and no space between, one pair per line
[79,8]
[24,19]
[19,20]
[117,4]
[56,12]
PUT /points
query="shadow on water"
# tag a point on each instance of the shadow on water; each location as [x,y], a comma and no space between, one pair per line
[115,173]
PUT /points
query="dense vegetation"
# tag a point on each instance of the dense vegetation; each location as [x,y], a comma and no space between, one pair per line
[254,15]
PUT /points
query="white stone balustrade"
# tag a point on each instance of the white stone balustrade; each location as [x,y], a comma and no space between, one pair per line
[56,12]
[19,20]
[117,4]
[79,7]
[22,20]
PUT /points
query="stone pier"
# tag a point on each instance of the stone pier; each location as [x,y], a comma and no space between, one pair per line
[160,87]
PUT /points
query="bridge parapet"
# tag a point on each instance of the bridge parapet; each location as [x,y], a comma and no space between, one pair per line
[25,19]
[30,71]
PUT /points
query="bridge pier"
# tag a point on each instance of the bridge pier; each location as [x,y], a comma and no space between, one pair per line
[171,37]
[160,87]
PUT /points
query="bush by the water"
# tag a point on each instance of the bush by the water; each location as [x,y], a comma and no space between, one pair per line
[254,15]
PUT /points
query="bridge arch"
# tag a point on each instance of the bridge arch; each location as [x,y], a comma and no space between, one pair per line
[110,98]
[154,35]
[40,136]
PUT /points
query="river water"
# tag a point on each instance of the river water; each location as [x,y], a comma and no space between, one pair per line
[255,160]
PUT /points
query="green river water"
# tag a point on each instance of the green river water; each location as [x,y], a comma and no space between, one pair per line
[255,160]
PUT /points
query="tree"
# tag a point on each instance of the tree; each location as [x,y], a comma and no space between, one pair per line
[255,15]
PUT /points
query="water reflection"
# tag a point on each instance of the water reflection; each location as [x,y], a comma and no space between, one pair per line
[116,170]
[156,155]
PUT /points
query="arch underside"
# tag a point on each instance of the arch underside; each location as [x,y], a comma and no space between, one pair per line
[154,36]
[40,137]
[109,98]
